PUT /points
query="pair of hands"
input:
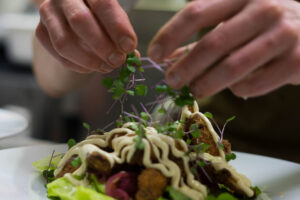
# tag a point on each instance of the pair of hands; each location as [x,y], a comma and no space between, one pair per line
[253,50]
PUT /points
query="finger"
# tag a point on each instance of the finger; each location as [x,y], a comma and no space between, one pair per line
[221,41]
[85,25]
[182,50]
[43,38]
[195,16]
[276,74]
[245,60]
[116,23]
[65,42]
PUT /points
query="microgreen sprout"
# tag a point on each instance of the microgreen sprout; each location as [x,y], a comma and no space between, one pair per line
[48,174]
[76,162]
[87,126]
[71,142]
[221,131]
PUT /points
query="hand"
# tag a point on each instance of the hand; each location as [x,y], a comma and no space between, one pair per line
[86,36]
[253,50]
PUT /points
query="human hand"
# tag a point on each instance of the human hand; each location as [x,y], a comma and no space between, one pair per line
[86,35]
[254,49]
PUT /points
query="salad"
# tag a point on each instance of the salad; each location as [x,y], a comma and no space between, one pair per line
[144,159]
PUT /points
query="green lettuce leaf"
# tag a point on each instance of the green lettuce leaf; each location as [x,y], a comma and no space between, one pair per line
[43,163]
[63,189]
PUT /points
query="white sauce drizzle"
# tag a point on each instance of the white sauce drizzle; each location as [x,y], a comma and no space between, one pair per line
[162,145]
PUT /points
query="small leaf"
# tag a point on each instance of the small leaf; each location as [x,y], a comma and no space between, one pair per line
[130,92]
[161,88]
[145,116]
[76,162]
[141,69]
[107,82]
[87,126]
[208,115]
[141,90]
[131,68]
[200,163]
[161,111]
[221,146]
[71,143]
[196,133]
[118,92]
[230,119]
[139,144]
[230,156]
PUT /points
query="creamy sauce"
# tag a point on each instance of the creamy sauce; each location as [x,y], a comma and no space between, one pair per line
[162,146]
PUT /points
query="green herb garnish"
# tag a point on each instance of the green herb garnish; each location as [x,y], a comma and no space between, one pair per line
[76,162]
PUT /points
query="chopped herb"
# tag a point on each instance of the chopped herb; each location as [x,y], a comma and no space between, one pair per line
[200,163]
[76,162]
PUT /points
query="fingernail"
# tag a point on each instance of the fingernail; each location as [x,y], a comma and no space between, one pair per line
[116,58]
[173,79]
[155,52]
[105,68]
[127,44]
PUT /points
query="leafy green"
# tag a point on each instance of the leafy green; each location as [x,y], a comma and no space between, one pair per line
[223,196]
[176,195]
[95,184]
[184,98]
[63,189]
[43,163]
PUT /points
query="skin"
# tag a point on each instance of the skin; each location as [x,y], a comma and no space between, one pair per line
[79,36]
[253,50]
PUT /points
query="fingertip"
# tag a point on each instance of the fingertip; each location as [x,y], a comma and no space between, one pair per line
[174,80]
[127,44]
[155,52]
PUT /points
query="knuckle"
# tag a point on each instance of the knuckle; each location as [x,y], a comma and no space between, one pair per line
[44,9]
[192,10]
[271,9]
[101,4]
[289,31]
[78,16]
[214,41]
[233,66]
[60,43]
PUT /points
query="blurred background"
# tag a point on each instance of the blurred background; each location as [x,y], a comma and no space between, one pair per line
[266,125]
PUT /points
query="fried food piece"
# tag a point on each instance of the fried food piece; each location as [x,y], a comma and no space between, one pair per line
[68,167]
[98,164]
[227,146]
[151,185]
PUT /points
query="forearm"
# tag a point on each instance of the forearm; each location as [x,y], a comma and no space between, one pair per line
[54,78]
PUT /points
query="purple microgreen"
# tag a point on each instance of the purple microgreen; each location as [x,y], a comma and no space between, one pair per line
[111,107]
[49,165]
[154,64]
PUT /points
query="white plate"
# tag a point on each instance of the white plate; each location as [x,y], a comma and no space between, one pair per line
[18,179]
[11,123]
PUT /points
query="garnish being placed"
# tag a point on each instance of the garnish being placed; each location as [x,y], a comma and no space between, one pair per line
[143,158]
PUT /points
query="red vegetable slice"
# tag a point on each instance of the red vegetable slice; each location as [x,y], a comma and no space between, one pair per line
[122,185]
